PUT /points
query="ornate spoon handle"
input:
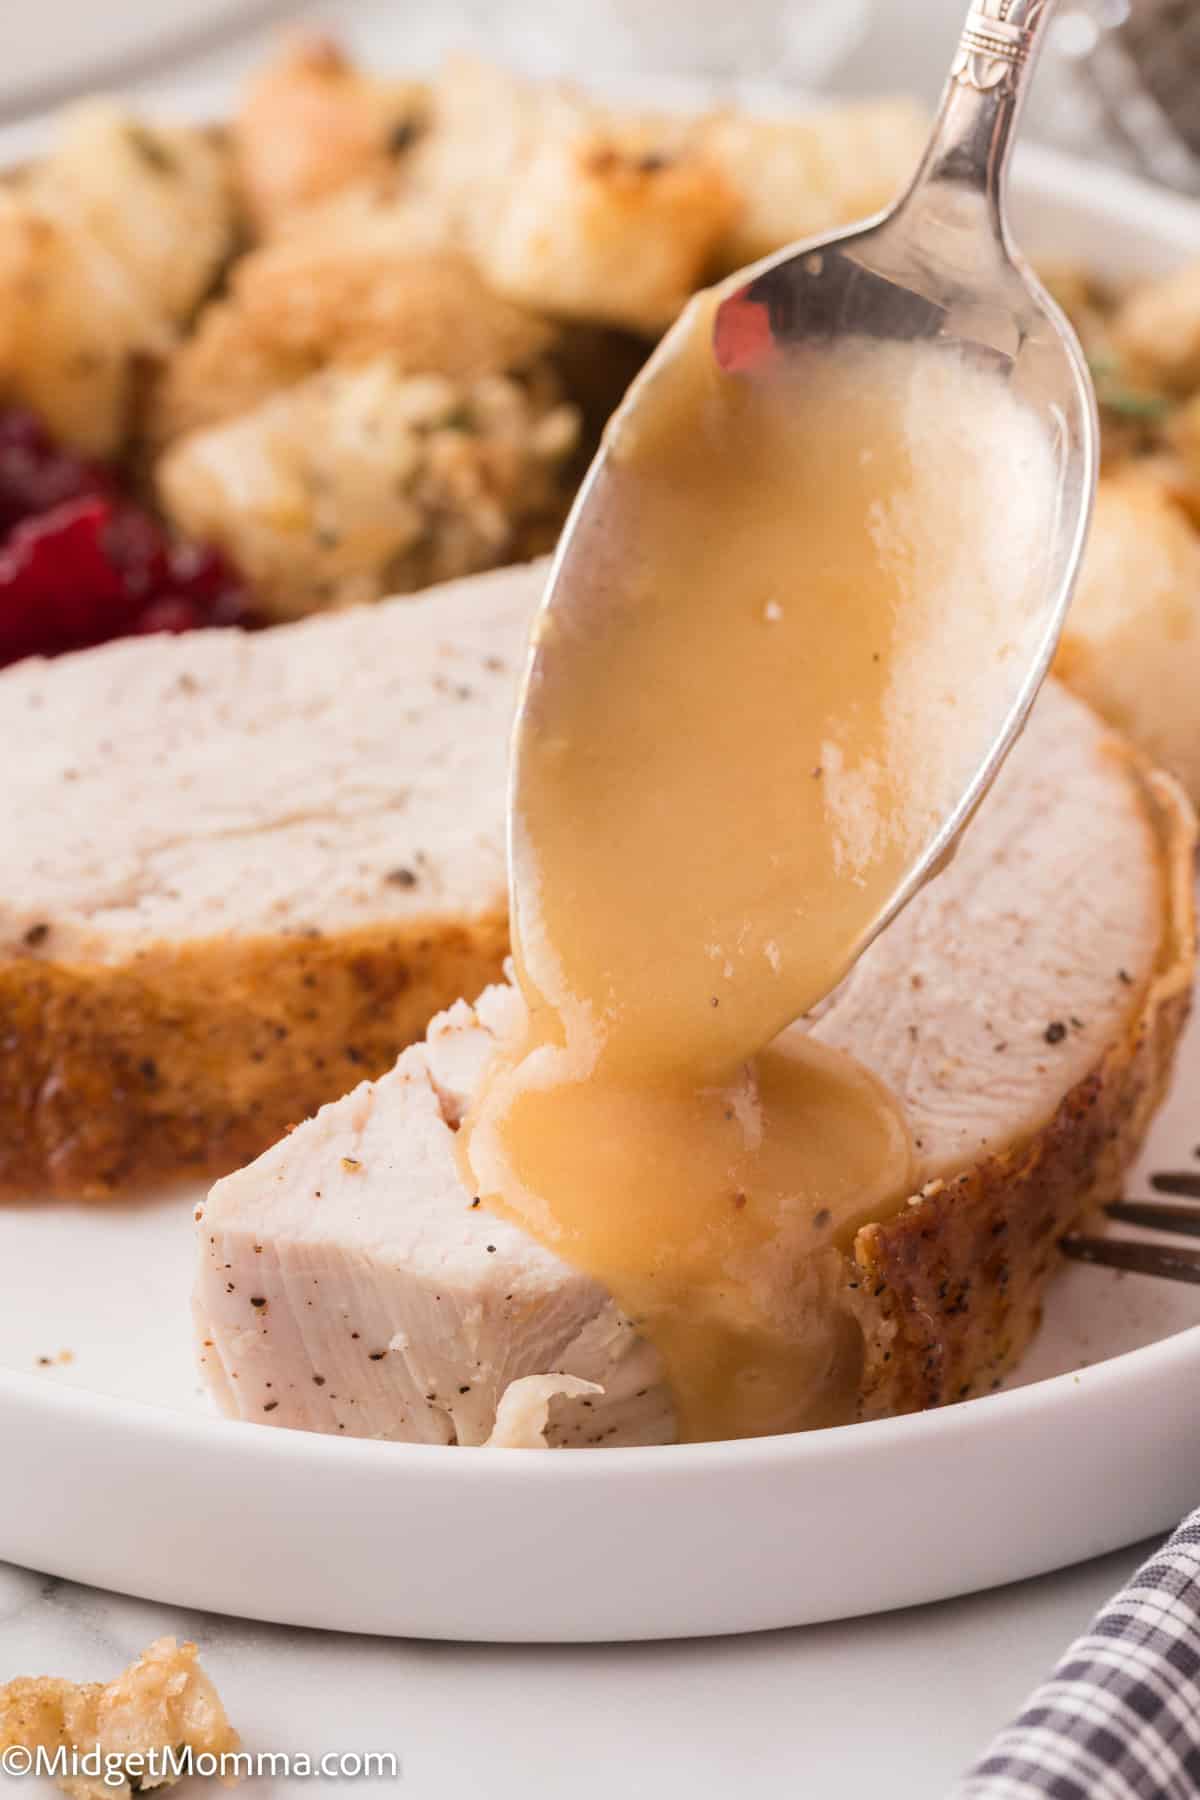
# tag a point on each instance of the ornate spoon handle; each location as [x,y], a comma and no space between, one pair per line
[988,81]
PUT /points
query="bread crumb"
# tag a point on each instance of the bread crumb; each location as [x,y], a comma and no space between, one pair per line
[162,1701]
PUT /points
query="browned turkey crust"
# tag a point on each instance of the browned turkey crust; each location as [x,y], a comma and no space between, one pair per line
[190,1059]
[242,872]
[949,1292]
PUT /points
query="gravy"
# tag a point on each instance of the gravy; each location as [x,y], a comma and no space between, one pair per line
[808,602]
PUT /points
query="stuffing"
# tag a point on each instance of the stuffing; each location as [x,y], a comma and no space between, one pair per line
[328,296]
[444,265]
[566,206]
[363,481]
[74,328]
[587,213]
[162,1702]
[796,178]
[1157,329]
[347,299]
[312,123]
[158,198]
[1087,303]
[1132,642]
[105,249]
[221,370]
[1182,434]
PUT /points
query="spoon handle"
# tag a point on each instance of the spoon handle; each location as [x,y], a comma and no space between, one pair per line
[988,81]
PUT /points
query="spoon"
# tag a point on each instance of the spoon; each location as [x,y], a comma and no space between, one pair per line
[939,266]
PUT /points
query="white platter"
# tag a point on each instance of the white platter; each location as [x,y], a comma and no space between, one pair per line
[113,1471]
[54,52]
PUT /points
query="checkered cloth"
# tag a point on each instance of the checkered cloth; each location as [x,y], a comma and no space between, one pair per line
[1120,1717]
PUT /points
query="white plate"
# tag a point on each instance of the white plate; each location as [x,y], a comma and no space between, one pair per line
[115,1473]
[64,47]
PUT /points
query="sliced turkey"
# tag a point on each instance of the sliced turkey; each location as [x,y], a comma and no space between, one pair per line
[241,872]
[1024,1008]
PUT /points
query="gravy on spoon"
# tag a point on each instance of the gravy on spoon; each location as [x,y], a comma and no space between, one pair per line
[807,594]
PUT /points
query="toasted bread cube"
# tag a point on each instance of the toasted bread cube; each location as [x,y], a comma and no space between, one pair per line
[312,123]
[221,370]
[163,1702]
[569,208]
[72,327]
[158,198]
[105,250]
[796,178]
[1132,643]
[1157,330]
[362,481]
[339,296]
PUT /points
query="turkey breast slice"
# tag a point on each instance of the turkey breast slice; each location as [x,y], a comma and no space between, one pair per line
[349,1282]
[242,870]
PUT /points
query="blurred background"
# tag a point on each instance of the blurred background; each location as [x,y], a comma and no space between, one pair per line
[1121,78]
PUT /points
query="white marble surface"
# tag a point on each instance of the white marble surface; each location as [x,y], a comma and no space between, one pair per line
[896,1704]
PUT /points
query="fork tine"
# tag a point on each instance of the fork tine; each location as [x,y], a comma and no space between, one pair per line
[1138,1259]
[1157,1215]
[1185,1183]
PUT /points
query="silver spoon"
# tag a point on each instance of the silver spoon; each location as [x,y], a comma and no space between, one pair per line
[940,264]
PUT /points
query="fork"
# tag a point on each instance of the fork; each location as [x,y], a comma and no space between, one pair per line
[1171,1262]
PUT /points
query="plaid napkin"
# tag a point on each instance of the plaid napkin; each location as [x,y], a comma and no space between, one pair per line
[1119,1719]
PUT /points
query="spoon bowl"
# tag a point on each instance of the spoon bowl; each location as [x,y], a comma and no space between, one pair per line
[938,268]
[941,266]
